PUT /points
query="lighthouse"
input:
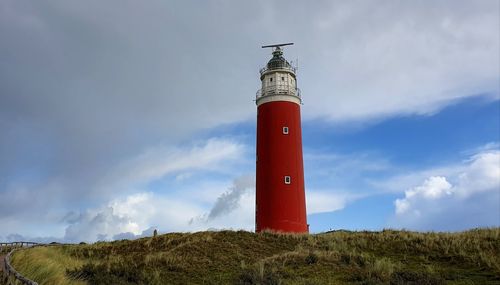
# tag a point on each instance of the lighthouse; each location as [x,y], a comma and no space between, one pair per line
[280,194]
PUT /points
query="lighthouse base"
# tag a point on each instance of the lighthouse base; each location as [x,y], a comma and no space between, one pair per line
[285,227]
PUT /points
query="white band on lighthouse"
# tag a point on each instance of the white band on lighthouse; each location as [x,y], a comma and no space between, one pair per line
[280,97]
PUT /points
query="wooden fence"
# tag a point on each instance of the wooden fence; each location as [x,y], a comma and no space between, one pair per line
[9,275]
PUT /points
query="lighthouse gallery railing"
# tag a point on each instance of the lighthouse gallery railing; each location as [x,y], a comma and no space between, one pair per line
[277,90]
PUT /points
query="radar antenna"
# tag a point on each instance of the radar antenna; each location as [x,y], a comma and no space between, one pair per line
[278,46]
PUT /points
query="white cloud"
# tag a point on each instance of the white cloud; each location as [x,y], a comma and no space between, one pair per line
[93,225]
[387,58]
[467,196]
[131,216]
[212,155]
[433,188]
[325,201]
[482,174]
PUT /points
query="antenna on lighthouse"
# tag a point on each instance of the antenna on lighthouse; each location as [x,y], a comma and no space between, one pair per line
[277,46]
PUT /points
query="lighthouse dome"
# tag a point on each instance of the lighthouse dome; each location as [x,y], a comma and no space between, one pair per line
[278,61]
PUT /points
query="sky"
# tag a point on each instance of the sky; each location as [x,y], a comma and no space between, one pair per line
[119,117]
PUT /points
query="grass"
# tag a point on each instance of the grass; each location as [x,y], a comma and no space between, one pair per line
[48,264]
[227,257]
[5,249]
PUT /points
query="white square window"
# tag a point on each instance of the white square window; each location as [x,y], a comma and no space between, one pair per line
[288,180]
[285,130]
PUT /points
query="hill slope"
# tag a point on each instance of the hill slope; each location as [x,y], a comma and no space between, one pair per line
[226,257]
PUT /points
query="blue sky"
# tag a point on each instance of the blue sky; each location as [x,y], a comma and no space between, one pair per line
[408,145]
[118,117]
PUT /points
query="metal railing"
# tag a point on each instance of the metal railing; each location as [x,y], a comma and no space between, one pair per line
[286,67]
[278,90]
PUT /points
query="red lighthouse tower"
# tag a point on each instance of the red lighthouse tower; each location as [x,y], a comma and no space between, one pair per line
[280,201]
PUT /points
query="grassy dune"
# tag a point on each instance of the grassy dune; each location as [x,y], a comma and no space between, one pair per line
[387,257]
[47,264]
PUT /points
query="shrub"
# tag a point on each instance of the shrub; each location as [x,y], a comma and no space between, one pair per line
[311,258]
